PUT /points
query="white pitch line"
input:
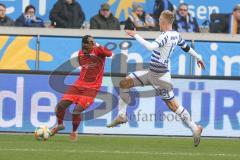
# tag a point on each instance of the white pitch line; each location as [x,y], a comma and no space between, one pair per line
[120,152]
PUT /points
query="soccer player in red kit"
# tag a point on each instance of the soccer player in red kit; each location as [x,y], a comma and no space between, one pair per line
[83,92]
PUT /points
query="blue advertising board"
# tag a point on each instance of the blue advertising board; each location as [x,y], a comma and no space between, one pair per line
[28,100]
[59,53]
[19,52]
[222,59]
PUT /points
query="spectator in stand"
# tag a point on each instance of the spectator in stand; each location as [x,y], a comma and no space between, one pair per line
[227,23]
[184,22]
[5,20]
[67,14]
[159,6]
[29,19]
[139,19]
[104,19]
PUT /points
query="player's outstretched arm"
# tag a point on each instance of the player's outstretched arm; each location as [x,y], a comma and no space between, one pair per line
[142,41]
[185,47]
[194,54]
[200,61]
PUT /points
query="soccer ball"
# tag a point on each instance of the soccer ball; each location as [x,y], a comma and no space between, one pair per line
[42,133]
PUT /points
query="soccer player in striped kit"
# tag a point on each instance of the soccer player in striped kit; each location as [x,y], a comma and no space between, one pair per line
[158,73]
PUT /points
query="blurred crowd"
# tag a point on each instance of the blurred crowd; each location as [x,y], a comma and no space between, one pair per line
[69,14]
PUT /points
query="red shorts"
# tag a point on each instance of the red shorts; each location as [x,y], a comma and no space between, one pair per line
[80,95]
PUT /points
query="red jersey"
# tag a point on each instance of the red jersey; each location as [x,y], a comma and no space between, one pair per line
[92,67]
[85,89]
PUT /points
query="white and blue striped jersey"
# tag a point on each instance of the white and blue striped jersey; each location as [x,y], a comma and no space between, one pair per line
[162,48]
[166,42]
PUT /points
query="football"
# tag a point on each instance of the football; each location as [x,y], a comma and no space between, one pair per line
[42,133]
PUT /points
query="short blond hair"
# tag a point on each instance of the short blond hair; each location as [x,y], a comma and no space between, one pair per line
[168,16]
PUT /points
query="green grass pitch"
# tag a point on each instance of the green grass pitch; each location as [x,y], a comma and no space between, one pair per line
[25,147]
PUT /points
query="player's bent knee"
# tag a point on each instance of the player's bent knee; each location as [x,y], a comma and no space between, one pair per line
[62,105]
[122,83]
[78,109]
[126,83]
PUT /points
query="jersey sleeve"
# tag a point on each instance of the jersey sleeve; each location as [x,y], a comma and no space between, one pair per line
[185,47]
[181,42]
[103,51]
[149,45]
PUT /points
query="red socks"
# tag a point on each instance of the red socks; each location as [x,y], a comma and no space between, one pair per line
[76,119]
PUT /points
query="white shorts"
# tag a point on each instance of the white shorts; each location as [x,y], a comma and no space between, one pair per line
[161,82]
